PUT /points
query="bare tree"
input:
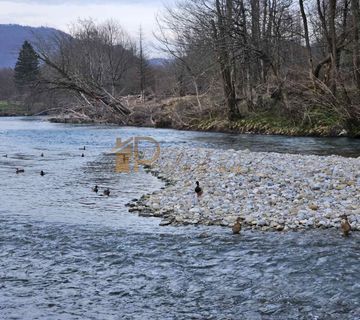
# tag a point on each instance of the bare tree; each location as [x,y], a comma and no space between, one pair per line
[307,38]
[356,47]
[221,25]
[7,84]
[92,63]
[185,35]
[142,65]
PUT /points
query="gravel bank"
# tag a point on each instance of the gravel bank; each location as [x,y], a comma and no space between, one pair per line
[269,191]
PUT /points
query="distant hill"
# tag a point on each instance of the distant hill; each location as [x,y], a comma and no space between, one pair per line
[12,36]
[155,62]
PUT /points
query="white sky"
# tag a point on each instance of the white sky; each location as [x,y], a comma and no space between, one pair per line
[60,14]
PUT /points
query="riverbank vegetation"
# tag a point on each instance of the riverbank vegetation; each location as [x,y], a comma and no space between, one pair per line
[265,66]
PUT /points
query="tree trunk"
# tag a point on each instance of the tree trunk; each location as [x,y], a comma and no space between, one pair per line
[356,49]
[220,33]
[332,35]
[255,32]
[141,66]
[264,66]
[307,40]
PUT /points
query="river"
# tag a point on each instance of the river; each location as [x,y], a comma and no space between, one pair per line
[68,253]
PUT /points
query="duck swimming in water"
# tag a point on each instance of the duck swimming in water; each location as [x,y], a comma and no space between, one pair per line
[42,173]
[345,225]
[42,155]
[237,226]
[82,155]
[107,192]
[96,189]
[83,148]
[198,190]
[19,170]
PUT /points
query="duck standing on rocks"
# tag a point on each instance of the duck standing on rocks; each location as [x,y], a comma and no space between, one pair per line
[19,170]
[42,173]
[237,226]
[107,192]
[345,225]
[198,189]
[96,189]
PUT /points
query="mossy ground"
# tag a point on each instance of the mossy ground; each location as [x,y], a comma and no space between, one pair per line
[312,120]
[11,108]
[319,124]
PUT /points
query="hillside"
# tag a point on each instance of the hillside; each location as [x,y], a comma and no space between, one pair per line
[12,37]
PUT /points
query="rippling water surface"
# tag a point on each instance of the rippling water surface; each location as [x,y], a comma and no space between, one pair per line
[67,253]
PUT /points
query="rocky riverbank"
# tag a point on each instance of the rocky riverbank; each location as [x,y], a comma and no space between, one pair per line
[269,191]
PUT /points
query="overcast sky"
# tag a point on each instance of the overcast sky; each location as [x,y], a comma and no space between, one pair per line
[60,14]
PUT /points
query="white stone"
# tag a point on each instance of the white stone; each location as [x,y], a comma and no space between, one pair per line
[270,189]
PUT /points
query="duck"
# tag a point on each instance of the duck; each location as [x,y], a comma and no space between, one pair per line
[5,155]
[82,155]
[198,189]
[203,235]
[83,148]
[107,192]
[19,170]
[42,155]
[42,173]
[237,226]
[345,225]
[96,189]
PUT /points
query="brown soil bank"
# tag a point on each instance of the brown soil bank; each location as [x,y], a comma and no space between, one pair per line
[190,113]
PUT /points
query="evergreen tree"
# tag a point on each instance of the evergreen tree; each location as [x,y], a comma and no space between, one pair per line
[27,67]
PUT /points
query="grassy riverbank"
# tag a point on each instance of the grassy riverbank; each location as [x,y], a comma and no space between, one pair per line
[265,123]
[187,113]
[10,108]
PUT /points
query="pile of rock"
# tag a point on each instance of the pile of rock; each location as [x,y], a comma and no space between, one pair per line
[269,191]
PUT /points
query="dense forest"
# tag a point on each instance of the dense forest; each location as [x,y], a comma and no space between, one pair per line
[266,66]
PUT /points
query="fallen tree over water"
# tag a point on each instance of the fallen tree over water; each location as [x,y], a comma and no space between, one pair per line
[91,65]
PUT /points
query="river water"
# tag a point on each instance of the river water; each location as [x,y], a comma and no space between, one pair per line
[67,253]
